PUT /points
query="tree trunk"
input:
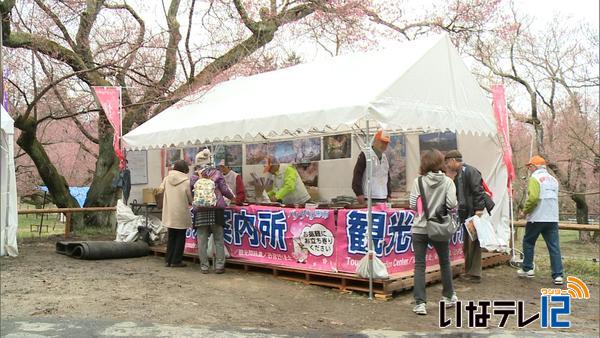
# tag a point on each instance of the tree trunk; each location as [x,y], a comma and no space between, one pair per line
[56,183]
[102,193]
[582,215]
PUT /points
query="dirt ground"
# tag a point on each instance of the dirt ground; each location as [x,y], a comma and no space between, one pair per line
[41,283]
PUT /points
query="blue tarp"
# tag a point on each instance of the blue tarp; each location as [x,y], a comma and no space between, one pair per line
[80,193]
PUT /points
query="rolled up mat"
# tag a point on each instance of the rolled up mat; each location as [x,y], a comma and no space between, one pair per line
[103,249]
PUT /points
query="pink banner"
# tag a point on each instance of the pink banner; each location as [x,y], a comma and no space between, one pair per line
[391,236]
[499,105]
[109,99]
[302,238]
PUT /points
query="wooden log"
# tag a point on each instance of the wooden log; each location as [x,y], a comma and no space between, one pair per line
[568,226]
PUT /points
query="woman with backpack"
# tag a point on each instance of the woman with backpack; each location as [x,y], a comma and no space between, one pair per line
[175,211]
[433,194]
[209,189]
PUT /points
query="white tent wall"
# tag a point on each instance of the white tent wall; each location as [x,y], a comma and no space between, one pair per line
[9,221]
[335,176]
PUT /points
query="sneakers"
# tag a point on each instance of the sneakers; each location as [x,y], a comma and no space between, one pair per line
[558,280]
[527,274]
[420,309]
[450,302]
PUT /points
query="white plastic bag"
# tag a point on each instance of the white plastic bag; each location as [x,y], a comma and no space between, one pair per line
[488,239]
[379,269]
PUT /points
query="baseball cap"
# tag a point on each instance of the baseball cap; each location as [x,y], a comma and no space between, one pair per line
[453,154]
[382,136]
[537,161]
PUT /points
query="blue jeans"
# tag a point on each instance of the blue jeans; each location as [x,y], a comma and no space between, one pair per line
[549,231]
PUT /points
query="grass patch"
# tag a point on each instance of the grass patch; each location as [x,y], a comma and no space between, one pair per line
[577,256]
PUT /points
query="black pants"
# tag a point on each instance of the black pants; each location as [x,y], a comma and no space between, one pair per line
[442,249]
[175,244]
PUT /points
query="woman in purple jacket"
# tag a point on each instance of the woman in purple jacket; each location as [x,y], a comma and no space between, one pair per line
[210,220]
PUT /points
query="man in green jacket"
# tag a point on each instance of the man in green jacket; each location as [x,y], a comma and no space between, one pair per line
[288,187]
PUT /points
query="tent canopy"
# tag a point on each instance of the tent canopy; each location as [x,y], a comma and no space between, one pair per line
[9,221]
[419,85]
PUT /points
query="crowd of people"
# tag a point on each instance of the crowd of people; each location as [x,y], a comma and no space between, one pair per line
[447,185]
[446,190]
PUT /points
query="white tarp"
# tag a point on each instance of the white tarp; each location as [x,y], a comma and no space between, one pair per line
[9,222]
[420,85]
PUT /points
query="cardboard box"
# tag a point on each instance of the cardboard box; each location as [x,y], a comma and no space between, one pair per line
[148,196]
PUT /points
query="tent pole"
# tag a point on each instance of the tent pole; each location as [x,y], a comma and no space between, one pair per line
[369,158]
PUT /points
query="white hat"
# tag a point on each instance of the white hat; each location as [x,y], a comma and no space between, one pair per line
[203,157]
[222,162]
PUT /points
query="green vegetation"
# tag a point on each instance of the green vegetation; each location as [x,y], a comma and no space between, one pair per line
[578,257]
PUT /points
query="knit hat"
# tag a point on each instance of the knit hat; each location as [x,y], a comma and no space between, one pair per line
[203,157]
[537,161]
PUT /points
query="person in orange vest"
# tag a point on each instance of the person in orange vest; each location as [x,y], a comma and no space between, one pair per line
[541,210]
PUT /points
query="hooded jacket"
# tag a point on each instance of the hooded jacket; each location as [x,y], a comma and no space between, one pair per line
[176,201]
[439,190]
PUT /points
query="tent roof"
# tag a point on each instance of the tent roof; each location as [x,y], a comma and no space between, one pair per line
[420,85]
[7,123]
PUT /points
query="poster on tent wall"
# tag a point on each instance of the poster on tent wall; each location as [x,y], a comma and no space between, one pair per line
[301,238]
[443,142]
[337,146]
[391,235]
[137,162]
[396,154]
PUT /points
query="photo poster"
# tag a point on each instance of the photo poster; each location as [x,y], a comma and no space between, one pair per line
[173,155]
[309,173]
[137,162]
[307,150]
[396,154]
[256,153]
[218,153]
[283,151]
[233,155]
[189,155]
[337,146]
[442,141]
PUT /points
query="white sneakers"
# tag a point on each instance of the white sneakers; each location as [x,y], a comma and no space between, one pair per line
[530,274]
[450,302]
[527,274]
[420,309]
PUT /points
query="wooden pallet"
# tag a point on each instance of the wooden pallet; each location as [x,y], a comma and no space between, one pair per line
[382,288]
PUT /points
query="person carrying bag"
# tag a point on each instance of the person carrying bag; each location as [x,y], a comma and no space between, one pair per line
[433,191]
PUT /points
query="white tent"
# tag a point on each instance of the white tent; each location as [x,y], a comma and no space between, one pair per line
[418,86]
[9,221]
[422,85]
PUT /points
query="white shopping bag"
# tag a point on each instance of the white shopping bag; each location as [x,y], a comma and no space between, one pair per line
[379,269]
[488,239]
